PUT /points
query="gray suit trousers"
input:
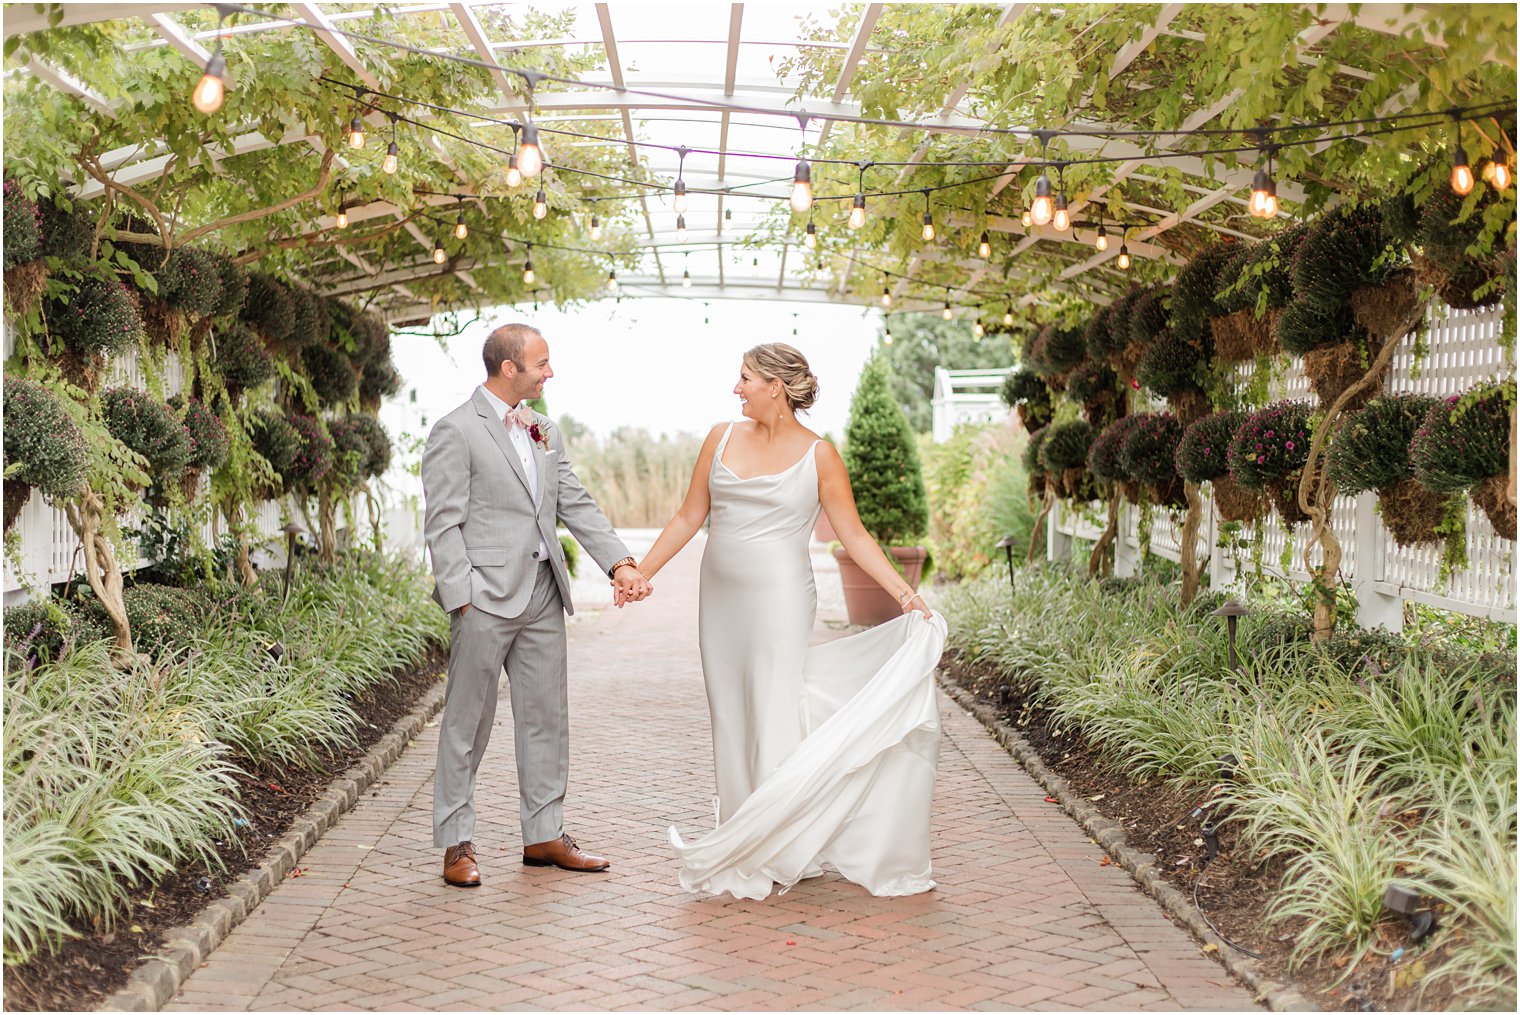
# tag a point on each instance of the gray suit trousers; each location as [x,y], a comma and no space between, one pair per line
[532,648]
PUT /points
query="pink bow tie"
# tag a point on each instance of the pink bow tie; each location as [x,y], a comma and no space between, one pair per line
[521,416]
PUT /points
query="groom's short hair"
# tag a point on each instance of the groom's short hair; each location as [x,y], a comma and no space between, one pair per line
[507,343]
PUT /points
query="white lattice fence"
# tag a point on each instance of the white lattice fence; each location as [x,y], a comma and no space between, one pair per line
[1462,349]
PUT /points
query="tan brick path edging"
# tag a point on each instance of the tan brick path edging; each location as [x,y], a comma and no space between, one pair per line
[1141,865]
[161,974]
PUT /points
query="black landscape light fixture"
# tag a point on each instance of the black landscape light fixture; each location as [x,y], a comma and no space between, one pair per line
[1227,766]
[1406,901]
[1232,611]
[1007,545]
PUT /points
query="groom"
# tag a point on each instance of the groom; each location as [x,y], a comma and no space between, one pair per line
[496,477]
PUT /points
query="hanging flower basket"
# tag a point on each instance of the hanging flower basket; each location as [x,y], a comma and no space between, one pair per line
[1202,458]
[1284,496]
[1333,369]
[1149,457]
[1235,503]
[1268,452]
[43,443]
[1371,452]
[1411,513]
[1464,444]
[1491,495]
[1391,310]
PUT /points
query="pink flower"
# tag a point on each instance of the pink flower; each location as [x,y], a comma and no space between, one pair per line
[1290,445]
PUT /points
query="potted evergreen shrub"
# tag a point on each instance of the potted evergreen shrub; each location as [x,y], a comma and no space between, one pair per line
[882,460]
[1464,444]
[1148,456]
[1269,453]
[44,448]
[1371,452]
[1202,458]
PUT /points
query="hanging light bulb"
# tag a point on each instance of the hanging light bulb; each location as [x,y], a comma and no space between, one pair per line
[1102,241]
[1124,260]
[439,255]
[1497,174]
[540,204]
[342,217]
[984,248]
[810,237]
[858,212]
[392,159]
[530,157]
[802,187]
[928,232]
[978,330]
[612,282]
[1025,218]
[528,275]
[514,175]
[1062,218]
[1008,317]
[460,229]
[211,89]
[1043,207]
[680,227]
[596,228]
[1263,203]
[887,340]
[685,278]
[356,133]
[886,295]
[679,203]
[946,313]
[1461,173]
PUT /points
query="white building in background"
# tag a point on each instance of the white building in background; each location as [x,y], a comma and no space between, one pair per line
[967,396]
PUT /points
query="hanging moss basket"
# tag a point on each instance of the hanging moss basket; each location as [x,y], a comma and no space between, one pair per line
[1335,368]
[1492,496]
[1411,513]
[1371,452]
[1235,503]
[1105,463]
[43,445]
[1392,309]
[1284,497]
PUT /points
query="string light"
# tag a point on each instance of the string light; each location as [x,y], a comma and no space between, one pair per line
[530,157]
[392,152]
[680,227]
[1263,203]
[1025,218]
[978,330]
[1043,207]
[685,278]
[984,248]
[1124,260]
[1498,174]
[356,133]
[802,187]
[1102,241]
[928,232]
[857,212]
[612,282]
[439,255]
[540,204]
[1008,317]
[946,313]
[679,201]
[528,267]
[886,293]
[514,175]
[342,216]
[460,229]
[810,236]
[596,228]
[211,90]
[1461,173]
[1062,218]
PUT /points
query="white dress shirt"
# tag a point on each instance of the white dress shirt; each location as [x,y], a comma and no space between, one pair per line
[523,444]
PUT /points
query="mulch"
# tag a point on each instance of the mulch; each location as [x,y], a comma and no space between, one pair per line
[87,969]
[1235,888]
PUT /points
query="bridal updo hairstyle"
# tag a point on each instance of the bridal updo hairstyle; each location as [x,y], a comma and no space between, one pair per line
[776,361]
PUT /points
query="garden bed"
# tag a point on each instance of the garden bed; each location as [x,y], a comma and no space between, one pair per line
[1235,889]
[87,969]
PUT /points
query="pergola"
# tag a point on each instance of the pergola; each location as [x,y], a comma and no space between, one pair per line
[725,81]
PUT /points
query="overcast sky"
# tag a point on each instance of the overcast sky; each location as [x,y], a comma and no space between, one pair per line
[666,364]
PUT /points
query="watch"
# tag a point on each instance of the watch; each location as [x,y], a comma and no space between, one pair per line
[612,571]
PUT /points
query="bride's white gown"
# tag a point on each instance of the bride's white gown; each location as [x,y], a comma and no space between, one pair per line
[823,755]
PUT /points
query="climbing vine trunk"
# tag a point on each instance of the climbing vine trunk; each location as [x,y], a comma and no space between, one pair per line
[1039,525]
[1099,564]
[244,563]
[374,517]
[327,521]
[101,570]
[1189,558]
[1316,490]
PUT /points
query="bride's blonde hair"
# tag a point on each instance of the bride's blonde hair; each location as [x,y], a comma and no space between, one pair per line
[776,361]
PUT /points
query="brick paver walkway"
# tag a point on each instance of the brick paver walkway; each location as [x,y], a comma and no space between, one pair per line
[1025,915]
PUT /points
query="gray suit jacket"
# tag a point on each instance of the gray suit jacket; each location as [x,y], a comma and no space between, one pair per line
[481,525]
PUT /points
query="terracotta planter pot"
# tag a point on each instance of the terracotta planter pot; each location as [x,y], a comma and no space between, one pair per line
[823,531]
[868,603]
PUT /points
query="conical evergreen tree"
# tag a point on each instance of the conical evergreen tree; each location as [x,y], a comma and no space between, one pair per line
[882,459]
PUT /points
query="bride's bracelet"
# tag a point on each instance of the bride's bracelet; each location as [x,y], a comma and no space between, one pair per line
[904,602]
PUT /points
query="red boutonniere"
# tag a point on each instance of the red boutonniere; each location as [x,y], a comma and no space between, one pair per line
[539,434]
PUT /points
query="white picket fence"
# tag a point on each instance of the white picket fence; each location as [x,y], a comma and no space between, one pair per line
[1463,349]
[49,552]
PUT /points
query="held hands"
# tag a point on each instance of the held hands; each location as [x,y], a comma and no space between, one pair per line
[629,586]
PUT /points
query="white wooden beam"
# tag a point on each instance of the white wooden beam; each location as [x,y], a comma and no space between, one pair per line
[477,36]
[66,82]
[1140,43]
[177,37]
[322,25]
[863,30]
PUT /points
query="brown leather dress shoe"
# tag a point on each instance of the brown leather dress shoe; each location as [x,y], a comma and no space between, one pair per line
[564,854]
[459,867]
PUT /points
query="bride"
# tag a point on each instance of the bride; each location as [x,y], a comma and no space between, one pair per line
[822,755]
